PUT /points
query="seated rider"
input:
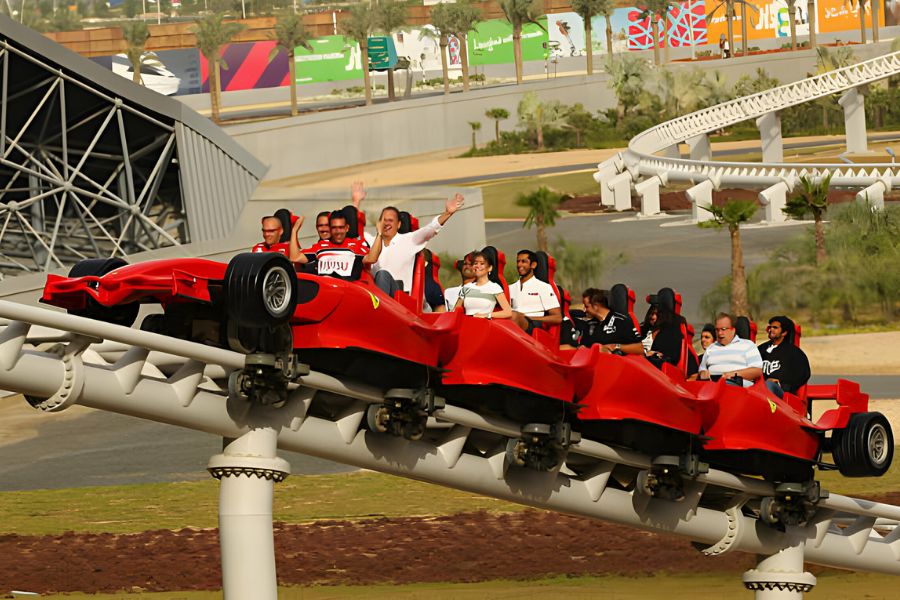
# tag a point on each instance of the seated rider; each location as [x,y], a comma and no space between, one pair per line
[323,225]
[338,256]
[731,357]
[533,301]
[479,298]
[466,272]
[615,332]
[785,366]
[272,231]
[666,336]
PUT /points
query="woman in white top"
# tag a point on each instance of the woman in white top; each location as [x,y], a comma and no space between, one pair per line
[480,297]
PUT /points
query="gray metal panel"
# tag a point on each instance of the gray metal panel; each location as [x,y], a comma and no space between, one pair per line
[215,189]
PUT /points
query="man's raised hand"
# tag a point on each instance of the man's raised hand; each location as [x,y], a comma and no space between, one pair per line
[357,193]
[454,203]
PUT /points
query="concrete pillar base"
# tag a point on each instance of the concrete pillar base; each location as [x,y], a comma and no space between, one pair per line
[774,199]
[780,576]
[874,194]
[620,185]
[853,104]
[648,190]
[701,196]
[769,126]
[700,148]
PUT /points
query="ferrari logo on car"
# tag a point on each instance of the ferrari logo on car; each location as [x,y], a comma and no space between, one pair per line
[375,301]
[772,406]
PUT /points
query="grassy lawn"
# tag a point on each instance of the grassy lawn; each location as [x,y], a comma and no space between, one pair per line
[134,508]
[500,197]
[832,585]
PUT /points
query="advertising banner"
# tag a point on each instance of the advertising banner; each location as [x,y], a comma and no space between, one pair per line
[491,42]
[685,25]
[249,67]
[836,15]
[333,58]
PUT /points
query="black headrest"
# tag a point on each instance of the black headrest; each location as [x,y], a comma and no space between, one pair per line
[405,222]
[665,299]
[542,271]
[618,298]
[494,255]
[284,215]
[742,328]
[350,214]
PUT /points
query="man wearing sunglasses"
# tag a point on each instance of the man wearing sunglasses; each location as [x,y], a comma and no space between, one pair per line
[272,231]
[735,359]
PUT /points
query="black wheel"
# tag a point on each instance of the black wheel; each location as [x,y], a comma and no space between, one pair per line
[125,314]
[378,418]
[865,448]
[260,289]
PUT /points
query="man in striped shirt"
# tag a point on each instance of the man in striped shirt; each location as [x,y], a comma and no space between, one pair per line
[730,356]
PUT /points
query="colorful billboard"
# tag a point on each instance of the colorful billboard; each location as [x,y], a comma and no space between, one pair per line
[685,25]
[332,58]
[249,67]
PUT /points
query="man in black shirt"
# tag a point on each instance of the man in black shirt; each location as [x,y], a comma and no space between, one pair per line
[785,366]
[615,332]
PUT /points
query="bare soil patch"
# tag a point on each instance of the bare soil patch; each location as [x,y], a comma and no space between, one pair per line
[466,547]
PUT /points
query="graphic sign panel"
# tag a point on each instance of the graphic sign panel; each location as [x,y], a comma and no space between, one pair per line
[491,42]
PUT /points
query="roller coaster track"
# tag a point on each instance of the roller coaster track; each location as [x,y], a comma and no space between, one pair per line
[58,360]
[642,159]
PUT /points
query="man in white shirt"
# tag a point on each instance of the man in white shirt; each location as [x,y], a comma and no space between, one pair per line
[467,272]
[730,356]
[394,269]
[533,301]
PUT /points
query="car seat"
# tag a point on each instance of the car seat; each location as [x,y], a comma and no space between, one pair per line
[434,291]
[287,223]
[546,272]
[356,221]
[621,300]
[408,222]
[745,328]
[671,300]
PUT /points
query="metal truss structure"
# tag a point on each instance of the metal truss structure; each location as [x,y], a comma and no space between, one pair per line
[653,157]
[92,165]
[58,360]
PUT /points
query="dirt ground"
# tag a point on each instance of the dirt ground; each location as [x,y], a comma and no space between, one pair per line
[461,548]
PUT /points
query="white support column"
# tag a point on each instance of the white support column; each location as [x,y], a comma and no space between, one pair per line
[853,104]
[769,126]
[874,194]
[700,148]
[774,198]
[648,190]
[605,171]
[781,576]
[701,195]
[248,469]
[620,185]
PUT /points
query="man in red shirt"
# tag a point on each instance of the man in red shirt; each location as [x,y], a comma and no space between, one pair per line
[338,256]
[272,230]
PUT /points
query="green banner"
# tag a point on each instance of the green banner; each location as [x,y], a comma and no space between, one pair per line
[491,42]
[333,58]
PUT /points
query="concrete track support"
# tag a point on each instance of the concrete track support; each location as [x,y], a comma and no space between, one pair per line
[874,194]
[774,199]
[700,148]
[701,196]
[248,469]
[648,190]
[781,576]
[853,103]
[672,151]
[769,126]
[620,185]
[605,171]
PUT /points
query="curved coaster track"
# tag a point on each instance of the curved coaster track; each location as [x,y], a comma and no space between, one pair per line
[653,157]
[58,360]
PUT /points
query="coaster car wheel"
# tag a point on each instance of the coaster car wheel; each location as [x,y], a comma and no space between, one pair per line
[260,289]
[865,448]
[124,314]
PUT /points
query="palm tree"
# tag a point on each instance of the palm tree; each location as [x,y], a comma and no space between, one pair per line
[627,78]
[518,13]
[442,19]
[497,114]
[536,115]
[861,5]
[463,17]
[289,34]
[811,18]
[390,16]
[830,60]
[357,27]
[542,205]
[731,215]
[586,9]
[655,10]
[607,12]
[212,33]
[578,120]
[135,34]
[812,198]
[792,17]
[475,125]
